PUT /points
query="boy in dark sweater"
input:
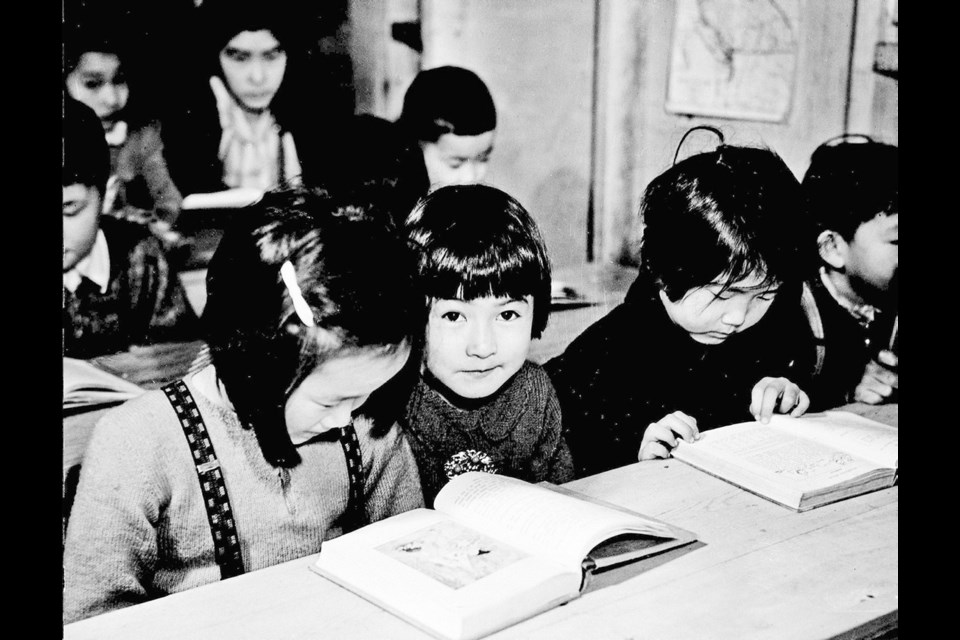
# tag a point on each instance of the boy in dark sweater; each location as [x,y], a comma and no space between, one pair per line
[118,290]
[851,192]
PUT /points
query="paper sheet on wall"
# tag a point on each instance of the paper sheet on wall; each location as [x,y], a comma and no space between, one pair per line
[734,58]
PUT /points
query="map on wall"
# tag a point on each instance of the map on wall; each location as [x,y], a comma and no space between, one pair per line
[734,58]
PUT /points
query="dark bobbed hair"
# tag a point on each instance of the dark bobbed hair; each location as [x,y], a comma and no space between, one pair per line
[354,271]
[720,216]
[476,241]
[848,183]
[86,156]
[447,100]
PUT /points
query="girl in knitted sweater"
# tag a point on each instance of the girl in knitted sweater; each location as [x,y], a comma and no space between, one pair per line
[479,404]
[302,329]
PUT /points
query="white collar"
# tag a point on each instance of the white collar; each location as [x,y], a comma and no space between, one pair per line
[95,266]
[863,313]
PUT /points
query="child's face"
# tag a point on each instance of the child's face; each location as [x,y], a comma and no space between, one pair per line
[327,398]
[474,347]
[253,64]
[99,83]
[454,159]
[873,256]
[711,315]
[81,220]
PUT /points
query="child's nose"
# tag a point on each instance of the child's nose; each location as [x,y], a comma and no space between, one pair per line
[111,97]
[258,72]
[337,418]
[481,343]
[735,314]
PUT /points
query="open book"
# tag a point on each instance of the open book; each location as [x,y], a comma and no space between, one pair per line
[495,551]
[85,385]
[801,463]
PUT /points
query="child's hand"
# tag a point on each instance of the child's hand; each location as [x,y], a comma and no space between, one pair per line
[880,378]
[661,437]
[778,395]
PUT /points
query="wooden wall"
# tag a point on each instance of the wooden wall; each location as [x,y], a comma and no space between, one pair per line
[580,87]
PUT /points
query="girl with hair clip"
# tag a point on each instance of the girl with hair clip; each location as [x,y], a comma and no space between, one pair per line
[287,451]
[249,125]
[480,404]
[708,331]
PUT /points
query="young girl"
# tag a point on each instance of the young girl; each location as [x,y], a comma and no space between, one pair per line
[96,74]
[295,321]
[708,329]
[479,404]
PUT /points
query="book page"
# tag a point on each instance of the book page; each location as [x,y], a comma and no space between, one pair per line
[87,384]
[773,456]
[537,519]
[861,436]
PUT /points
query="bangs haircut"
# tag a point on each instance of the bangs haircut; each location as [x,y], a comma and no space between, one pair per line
[476,241]
[849,183]
[447,100]
[353,271]
[720,217]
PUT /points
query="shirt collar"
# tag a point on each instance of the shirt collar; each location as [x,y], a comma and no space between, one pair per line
[862,312]
[95,266]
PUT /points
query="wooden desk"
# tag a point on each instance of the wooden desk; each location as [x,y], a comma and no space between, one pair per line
[763,572]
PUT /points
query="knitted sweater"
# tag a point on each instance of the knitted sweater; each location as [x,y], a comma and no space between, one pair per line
[138,528]
[144,302]
[518,427]
[634,366]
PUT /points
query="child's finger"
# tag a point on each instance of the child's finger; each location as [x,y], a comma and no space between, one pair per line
[683,425]
[653,451]
[791,394]
[803,403]
[867,395]
[768,403]
[658,432]
[888,358]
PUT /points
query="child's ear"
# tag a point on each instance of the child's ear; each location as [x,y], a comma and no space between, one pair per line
[833,249]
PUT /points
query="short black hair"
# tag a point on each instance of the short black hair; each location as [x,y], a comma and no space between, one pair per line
[447,100]
[849,183]
[86,156]
[476,241]
[354,271]
[720,216]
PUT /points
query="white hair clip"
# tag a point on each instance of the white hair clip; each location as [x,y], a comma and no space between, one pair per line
[299,304]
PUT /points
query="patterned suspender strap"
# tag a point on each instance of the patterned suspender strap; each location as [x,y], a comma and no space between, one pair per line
[226,544]
[356,513]
[809,304]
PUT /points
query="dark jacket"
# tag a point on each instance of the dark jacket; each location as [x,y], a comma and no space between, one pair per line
[634,366]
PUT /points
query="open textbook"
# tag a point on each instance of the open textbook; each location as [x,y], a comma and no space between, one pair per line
[801,463]
[494,551]
[85,384]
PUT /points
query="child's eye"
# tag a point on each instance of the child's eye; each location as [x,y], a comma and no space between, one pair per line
[767,297]
[236,56]
[455,163]
[71,209]
[92,85]
[270,56]
[509,314]
[452,316]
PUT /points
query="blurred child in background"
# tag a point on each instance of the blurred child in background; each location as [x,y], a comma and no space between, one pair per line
[851,191]
[118,290]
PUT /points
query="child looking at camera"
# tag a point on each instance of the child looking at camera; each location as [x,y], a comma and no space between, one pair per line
[479,403]
[706,332]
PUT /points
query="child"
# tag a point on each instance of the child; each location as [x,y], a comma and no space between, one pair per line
[449,113]
[118,290]
[95,71]
[295,323]
[479,404]
[707,329]
[851,190]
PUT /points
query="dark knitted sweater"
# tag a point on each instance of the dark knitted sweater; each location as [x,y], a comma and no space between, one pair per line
[144,302]
[518,427]
[634,366]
